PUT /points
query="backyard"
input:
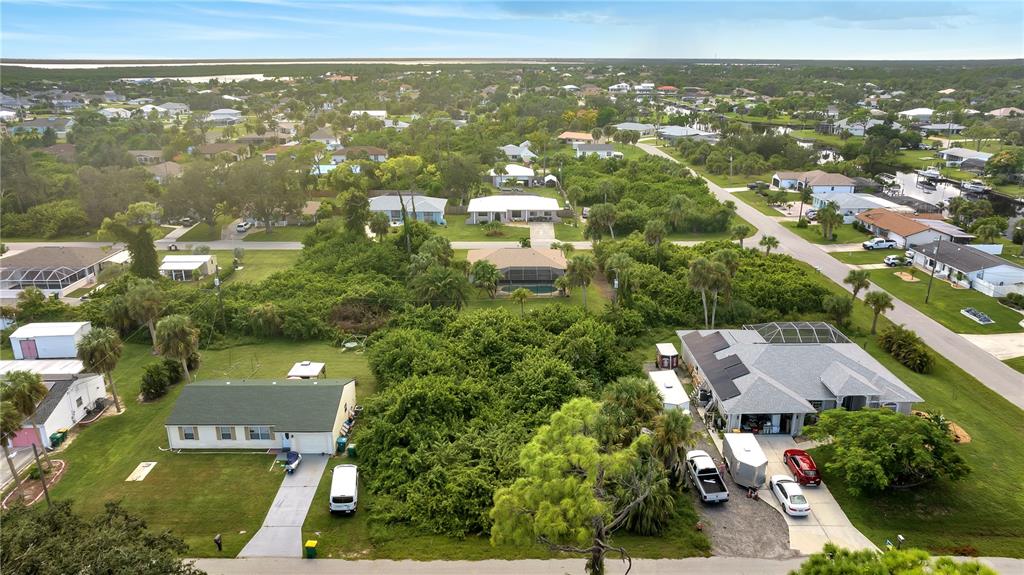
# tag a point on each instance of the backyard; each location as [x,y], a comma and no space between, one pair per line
[830,139]
[567,232]
[945,303]
[257,265]
[844,234]
[458,230]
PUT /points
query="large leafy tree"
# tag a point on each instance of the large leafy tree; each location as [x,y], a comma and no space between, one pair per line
[55,540]
[139,241]
[177,338]
[355,211]
[266,192]
[880,449]
[838,561]
[100,350]
[602,216]
[145,302]
[573,495]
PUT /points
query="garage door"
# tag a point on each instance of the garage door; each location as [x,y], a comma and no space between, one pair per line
[312,442]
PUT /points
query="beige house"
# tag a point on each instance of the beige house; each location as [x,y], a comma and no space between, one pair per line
[535,268]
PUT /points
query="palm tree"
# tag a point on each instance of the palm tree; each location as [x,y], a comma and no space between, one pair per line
[563,284]
[145,301]
[728,258]
[740,231]
[380,225]
[677,206]
[829,218]
[10,425]
[987,233]
[100,350]
[878,301]
[177,339]
[858,280]
[581,271]
[720,281]
[671,438]
[603,215]
[596,134]
[486,276]
[26,390]
[520,296]
[439,285]
[654,232]
[698,281]
[768,243]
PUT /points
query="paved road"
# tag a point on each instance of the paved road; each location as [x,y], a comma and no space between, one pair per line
[21,458]
[991,372]
[693,566]
[281,533]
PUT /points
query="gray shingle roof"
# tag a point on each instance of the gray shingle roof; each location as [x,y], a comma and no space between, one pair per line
[423,204]
[962,257]
[288,405]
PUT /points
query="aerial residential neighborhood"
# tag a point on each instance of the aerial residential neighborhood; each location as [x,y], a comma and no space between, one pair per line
[459,287]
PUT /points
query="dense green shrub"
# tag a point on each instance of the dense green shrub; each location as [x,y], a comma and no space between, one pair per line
[907,347]
[1014,300]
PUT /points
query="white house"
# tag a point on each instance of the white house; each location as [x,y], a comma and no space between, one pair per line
[327,137]
[513,173]
[150,108]
[302,415]
[374,153]
[376,114]
[1006,112]
[849,205]
[188,267]
[115,113]
[644,88]
[520,153]
[224,117]
[907,231]
[602,151]
[676,133]
[643,129]
[968,266]
[859,128]
[955,156]
[508,208]
[923,115]
[48,340]
[818,181]
[421,208]
[620,88]
[69,397]
[175,108]
[671,389]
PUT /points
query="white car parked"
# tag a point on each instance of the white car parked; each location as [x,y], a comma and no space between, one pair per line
[790,496]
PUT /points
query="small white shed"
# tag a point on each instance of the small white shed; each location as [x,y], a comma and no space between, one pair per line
[53,340]
[671,389]
[308,370]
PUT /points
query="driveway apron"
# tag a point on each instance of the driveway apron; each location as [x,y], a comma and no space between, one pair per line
[281,533]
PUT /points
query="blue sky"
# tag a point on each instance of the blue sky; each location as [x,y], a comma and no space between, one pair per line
[837,29]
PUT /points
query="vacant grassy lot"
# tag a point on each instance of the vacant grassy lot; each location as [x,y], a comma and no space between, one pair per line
[760,203]
[862,257]
[256,264]
[844,234]
[945,303]
[194,495]
[984,513]
[281,234]
[628,151]
[458,230]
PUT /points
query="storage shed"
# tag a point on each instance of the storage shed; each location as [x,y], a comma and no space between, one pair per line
[308,370]
[52,340]
[667,356]
[671,389]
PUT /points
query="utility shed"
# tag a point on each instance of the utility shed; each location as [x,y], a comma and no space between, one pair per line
[50,340]
[671,389]
[308,370]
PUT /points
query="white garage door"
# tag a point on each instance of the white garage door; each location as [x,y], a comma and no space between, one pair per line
[312,443]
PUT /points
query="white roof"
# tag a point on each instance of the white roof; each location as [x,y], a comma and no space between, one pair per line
[372,113]
[505,203]
[917,112]
[666,349]
[42,366]
[669,386]
[515,170]
[49,328]
[185,262]
[343,479]
[226,112]
[745,449]
[420,203]
[306,369]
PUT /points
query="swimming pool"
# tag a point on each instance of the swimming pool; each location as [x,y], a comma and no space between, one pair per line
[540,289]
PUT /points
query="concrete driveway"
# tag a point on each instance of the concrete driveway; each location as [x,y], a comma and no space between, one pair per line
[281,533]
[1002,345]
[826,523]
[542,234]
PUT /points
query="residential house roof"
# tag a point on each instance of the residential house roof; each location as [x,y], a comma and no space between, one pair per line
[58,124]
[165,169]
[816,178]
[323,134]
[54,396]
[682,132]
[584,136]
[1010,111]
[504,203]
[943,227]
[962,257]
[214,149]
[634,127]
[147,153]
[965,153]
[893,222]
[52,257]
[513,170]
[184,262]
[917,112]
[847,201]
[522,151]
[390,203]
[299,406]
[596,148]
[948,126]
[49,328]
[505,258]
[866,125]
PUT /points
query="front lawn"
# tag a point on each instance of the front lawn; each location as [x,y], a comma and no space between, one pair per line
[844,234]
[203,232]
[863,257]
[1016,363]
[281,234]
[760,203]
[567,232]
[945,303]
[458,230]
[195,495]
[629,152]
[257,265]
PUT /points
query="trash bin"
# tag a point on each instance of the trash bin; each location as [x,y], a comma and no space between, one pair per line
[311,549]
[55,439]
[352,450]
[342,442]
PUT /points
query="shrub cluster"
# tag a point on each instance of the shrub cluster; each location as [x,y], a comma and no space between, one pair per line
[158,377]
[906,346]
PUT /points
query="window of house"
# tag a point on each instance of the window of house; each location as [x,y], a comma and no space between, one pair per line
[79,402]
[189,433]
[816,405]
[225,432]
[258,431]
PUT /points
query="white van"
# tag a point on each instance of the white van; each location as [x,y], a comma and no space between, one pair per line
[344,488]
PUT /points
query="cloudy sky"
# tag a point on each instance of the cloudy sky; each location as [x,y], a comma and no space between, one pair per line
[823,29]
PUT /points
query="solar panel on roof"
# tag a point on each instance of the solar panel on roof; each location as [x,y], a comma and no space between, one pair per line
[724,386]
[737,371]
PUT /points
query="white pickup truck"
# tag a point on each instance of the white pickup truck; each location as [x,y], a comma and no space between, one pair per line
[704,475]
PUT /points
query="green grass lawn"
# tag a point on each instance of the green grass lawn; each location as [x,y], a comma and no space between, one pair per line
[782,120]
[1011,190]
[865,256]
[983,513]
[844,234]
[203,232]
[946,302]
[194,495]
[760,203]
[567,232]
[158,232]
[458,230]
[257,264]
[629,152]
[1011,251]
[281,234]
[1016,363]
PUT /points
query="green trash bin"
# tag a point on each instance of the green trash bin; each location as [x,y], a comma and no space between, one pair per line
[352,450]
[311,549]
[55,440]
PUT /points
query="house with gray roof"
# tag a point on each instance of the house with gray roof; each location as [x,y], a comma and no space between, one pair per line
[643,129]
[520,153]
[70,396]
[970,267]
[599,150]
[776,378]
[676,133]
[856,128]
[60,126]
[955,156]
[421,208]
[302,415]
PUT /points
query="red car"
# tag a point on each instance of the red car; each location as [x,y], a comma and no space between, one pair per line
[802,466]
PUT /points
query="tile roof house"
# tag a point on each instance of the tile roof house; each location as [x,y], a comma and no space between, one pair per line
[523,266]
[968,266]
[56,270]
[907,231]
[575,138]
[302,415]
[234,150]
[776,378]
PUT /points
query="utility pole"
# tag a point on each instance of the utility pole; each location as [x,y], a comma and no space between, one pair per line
[220,299]
[935,264]
[42,476]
